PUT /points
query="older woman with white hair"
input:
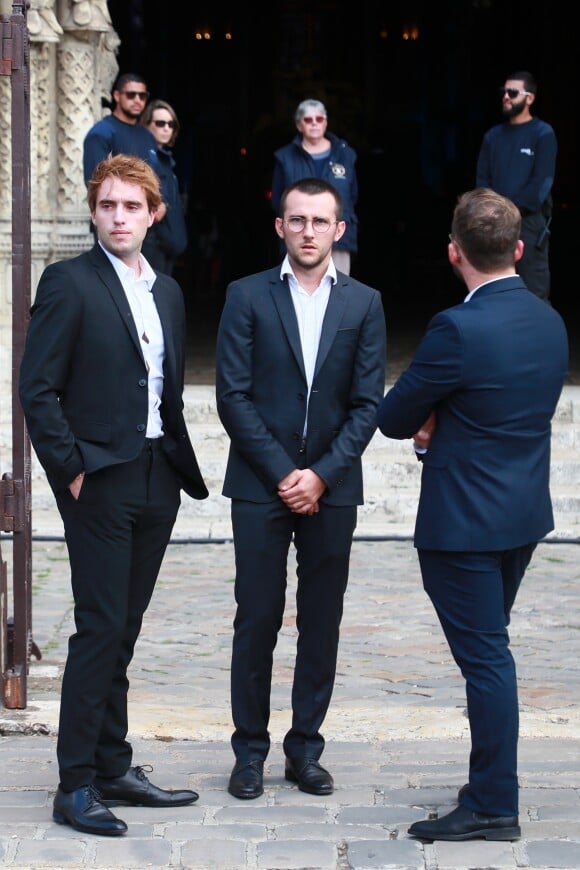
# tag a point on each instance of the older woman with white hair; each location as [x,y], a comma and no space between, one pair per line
[314,152]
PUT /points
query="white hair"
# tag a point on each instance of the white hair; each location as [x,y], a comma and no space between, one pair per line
[309,106]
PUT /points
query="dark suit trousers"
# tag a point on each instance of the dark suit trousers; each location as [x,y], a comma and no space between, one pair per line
[262,537]
[534,266]
[473,594]
[116,535]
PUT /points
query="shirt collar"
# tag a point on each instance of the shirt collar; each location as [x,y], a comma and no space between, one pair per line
[125,272]
[479,286]
[286,269]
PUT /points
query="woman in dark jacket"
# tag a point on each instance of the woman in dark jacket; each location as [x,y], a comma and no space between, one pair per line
[315,152]
[167,239]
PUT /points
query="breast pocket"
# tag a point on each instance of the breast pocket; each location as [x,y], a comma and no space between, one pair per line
[90,430]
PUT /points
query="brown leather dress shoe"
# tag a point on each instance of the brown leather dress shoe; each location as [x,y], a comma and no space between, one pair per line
[310,775]
[247,779]
[134,789]
[464,824]
[83,810]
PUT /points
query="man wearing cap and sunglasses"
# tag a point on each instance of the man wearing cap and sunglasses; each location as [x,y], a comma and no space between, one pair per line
[121,133]
[518,159]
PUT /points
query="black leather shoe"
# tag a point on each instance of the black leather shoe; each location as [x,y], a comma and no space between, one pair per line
[464,824]
[462,792]
[247,779]
[310,775]
[134,789]
[82,810]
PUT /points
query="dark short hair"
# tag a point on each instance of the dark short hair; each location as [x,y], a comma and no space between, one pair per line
[486,226]
[525,76]
[312,187]
[123,78]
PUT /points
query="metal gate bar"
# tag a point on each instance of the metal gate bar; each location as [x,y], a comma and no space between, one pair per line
[15,488]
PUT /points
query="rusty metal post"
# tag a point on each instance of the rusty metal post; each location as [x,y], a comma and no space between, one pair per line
[15,490]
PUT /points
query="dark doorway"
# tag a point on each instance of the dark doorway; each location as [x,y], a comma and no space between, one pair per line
[411,86]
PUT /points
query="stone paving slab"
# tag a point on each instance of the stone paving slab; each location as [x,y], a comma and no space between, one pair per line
[397,734]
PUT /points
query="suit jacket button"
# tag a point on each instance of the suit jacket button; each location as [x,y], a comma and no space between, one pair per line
[141,427]
[143,382]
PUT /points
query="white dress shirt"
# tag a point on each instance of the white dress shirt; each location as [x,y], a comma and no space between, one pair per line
[139,293]
[310,309]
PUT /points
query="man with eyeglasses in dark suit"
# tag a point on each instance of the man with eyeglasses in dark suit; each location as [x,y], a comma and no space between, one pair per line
[518,159]
[300,371]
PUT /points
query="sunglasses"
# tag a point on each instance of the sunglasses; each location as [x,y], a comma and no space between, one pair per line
[318,119]
[171,124]
[513,93]
[136,95]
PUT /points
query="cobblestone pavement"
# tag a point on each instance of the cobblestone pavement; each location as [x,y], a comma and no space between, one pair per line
[397,734]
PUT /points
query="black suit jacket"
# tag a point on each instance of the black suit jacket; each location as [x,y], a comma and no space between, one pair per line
[262,390]
[83,378]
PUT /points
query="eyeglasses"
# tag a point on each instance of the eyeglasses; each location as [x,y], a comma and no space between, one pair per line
[513,93]
[171,124]
[319,225]
[136,95]
[318,119]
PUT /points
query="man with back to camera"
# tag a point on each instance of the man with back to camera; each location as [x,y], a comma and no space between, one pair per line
[518,160]
[478,398]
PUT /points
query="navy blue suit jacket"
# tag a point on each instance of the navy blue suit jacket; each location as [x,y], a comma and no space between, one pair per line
[83,378]
[262,391]
[493,369]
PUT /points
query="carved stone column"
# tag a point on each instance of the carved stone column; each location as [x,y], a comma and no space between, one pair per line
[86,68]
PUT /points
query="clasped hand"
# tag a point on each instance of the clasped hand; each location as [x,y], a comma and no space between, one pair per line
[300,491]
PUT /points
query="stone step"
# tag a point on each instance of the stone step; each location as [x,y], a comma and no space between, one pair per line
[392,478]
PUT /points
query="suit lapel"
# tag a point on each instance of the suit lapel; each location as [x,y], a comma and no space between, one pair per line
[111,281]
[166,319]
[283,302]
[332,319]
